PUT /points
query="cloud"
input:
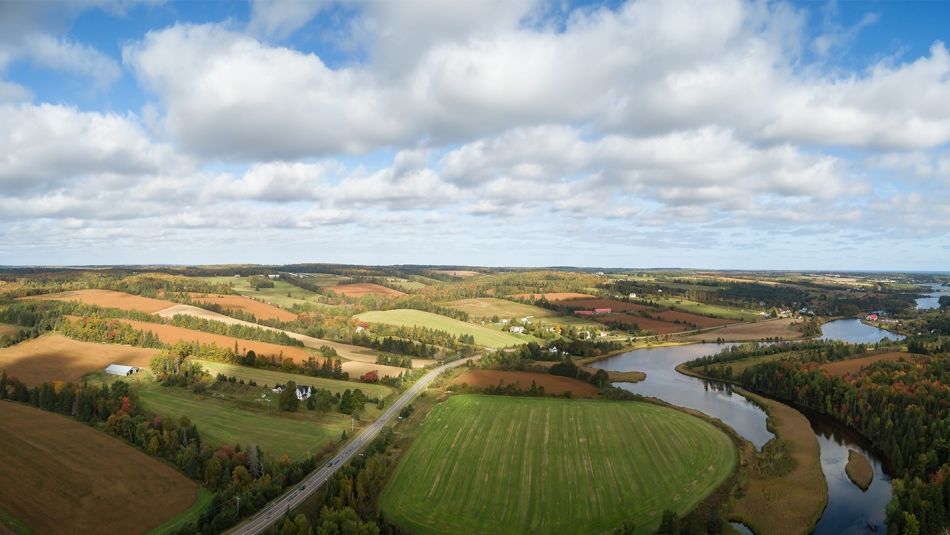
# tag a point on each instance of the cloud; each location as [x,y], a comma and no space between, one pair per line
[74,58]
[281,18]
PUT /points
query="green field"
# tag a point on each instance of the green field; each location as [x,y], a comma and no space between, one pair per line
[272,377]
[484,336]
[704,309]
[486,307]
[225,422]
[276,296]
[202,501]
[492,464]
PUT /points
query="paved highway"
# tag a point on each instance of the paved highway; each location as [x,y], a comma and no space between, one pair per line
[274,510]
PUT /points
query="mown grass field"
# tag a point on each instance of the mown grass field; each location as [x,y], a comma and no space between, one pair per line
[278,295]
[704,309]
[486,307]
[225,422]
[484,336]
[493,464]
[62,476]
[272,377]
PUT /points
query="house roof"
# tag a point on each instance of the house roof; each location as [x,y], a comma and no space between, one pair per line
[120,369]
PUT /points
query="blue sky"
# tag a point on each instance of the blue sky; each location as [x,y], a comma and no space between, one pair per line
[755,135]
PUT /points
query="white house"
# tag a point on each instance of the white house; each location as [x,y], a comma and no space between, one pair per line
[633,295]
[121,369]
[516,329]
[304,392]
[278,388]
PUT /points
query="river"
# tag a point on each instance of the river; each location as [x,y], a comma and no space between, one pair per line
[850,510]
[932,299]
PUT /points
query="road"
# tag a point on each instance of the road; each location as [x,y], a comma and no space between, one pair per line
[274,510]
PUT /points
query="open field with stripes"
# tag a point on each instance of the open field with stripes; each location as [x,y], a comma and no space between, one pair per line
[484,336]
[492,464]
[54,357]
[62,476]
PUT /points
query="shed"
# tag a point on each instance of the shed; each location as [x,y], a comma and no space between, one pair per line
[121,369]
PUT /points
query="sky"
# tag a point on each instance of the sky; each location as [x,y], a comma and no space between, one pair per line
[705,134]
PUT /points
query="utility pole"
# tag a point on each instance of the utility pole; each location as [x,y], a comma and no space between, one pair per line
[238,498]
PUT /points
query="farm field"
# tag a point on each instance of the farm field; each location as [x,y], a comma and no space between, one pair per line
[495,464]
[277,296]
[247,305]
[703,322]
[170,334]
[486,307]
[460,273]
[6,330]
[363,288]
[553,296]
[553,384]
[225,422]
[66,477]
[417,318]
[852,366]
[704,309]
[761,330]
[109,299]
[645,324]
[54,357]
[272,377]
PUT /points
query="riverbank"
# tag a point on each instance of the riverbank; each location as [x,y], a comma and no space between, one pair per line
[783,488]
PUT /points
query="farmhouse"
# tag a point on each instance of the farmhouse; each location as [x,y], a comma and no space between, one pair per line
[278,388]
[871,317]
[304,392]
[516,329]
[121,369]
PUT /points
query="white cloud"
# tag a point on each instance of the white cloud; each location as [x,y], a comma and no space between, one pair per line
[74,58]
[281,18]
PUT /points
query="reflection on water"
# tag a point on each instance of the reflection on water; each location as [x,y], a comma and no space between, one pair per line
[855,332]
[849,510]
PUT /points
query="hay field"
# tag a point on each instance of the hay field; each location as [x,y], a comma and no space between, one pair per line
[486,307]
[553,384]
[553,296]
[404,317]
[283,294]
[753,332]
[272,377]
[62,476]
[56,358]
[460,273]
[645,324]
[853,366]
[363,288]
[109,299]
[506,465]
[169,334]
[246,304]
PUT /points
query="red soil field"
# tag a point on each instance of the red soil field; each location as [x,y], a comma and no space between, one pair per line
[64,477]
[853,366]
[553,384]
[109,299]
[553,296]
[645,324]
[363,288]
[246,304]
[703,322]
[171,334]
[54,358]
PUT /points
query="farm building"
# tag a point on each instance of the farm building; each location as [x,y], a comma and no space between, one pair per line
[516,329]
[121,369]
[278,388]
[872,317]
[304,392]
[584,312]
[602,310]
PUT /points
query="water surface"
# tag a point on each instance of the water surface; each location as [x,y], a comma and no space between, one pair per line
[855,332]
[932,299]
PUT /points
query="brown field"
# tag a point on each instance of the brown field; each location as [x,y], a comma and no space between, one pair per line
[613,304]
[859,469]
[65,477]
[553,296]
[56,358]
[853,366]
[645,324]
[790,503]
[703,322]
[170,334]
[246,304]
[109,299]
[8,329]
[363,288]
[460,273]
[761,330]
[357,369]
[553,384]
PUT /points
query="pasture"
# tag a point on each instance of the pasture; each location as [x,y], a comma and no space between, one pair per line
[228,422]
[62,476]
[272,377]
[484,336]
[109,299]
[552,296]
[553,384]
[54,357]
[364,288]
[247,305]
[705,309]
[283,294]
[486,307]
[495,464]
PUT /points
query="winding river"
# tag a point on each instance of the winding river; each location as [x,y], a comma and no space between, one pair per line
[850,510]
[933,298]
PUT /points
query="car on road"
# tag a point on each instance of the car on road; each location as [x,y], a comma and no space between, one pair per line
[302,487]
